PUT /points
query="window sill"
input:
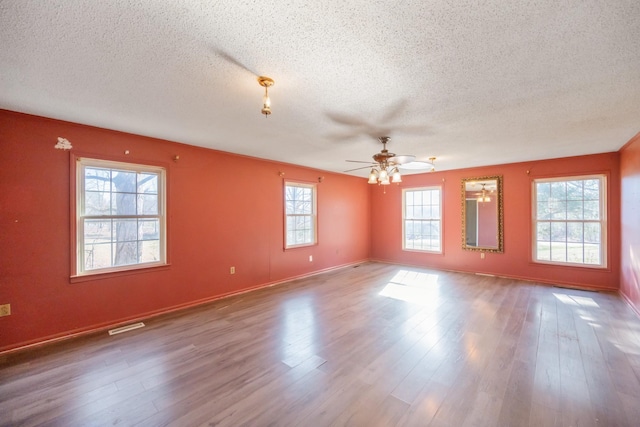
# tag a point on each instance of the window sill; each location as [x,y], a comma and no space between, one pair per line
[109,274]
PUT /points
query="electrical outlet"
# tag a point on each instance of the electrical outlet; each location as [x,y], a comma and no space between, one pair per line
[481,255]
[310,258]
[5,310]
[232,270]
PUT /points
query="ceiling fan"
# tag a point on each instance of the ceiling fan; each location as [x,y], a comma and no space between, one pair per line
[385,169]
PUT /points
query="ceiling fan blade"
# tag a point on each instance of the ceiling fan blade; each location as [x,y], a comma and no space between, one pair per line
[227,57]
[402,159]
[344,119]
[394,111]
[359,161]
[417,166]
[357,169]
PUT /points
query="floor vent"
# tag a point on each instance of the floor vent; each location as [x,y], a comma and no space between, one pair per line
[126,328]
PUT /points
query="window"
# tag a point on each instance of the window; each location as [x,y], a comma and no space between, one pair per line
[300,213]
[422,219]
[570,220]
[120,216]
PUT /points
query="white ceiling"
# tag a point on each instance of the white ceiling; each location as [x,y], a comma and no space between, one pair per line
[472,83]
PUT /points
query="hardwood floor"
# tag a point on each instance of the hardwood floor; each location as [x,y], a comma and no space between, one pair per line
[374,345]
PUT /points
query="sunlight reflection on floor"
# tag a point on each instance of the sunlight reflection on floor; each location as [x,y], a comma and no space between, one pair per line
[414,287]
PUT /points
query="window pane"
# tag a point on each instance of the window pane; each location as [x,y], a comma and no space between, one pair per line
[559,252]
[543,251]
[97,179]
[592,232]
[148,183]
[592,254]
[97,231]
[97,203]
[574,209]
[147,204]
[125,253]
[575,232]
[575,253]
[558,191]
[149,251]
[591,210]
[124,181]
[148,229]
[558,209]
[544,231]
[124,204]
[97,255]
[543,191]
[558,232]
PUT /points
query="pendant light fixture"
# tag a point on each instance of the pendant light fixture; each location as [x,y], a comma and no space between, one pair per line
[265,82]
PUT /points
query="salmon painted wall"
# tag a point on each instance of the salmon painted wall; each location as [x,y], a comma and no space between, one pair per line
[223,210]
[630,223]
[386,222]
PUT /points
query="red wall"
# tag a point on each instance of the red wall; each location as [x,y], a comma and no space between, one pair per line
[386,222]
[630,223]
[223,210]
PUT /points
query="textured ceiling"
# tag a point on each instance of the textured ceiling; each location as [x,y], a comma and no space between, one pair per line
[472,83]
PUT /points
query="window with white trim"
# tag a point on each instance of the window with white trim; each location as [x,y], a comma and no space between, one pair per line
[422,219]
[120,216]
[300,214]
[569,221]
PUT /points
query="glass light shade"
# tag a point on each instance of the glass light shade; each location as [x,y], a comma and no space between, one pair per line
[385,181]
[266,100]
[383,175]
[373,177]
[396,178]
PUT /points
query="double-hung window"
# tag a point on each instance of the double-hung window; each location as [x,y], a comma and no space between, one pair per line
[569,221]
[300,214]
[422,219]
[120,214]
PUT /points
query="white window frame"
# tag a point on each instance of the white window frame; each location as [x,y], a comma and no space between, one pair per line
[409,217]
[313,215]
[602,221]
[81,165]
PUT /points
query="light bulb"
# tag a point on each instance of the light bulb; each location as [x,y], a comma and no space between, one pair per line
[373,177]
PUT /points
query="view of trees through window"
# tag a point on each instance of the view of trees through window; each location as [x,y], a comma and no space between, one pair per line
[569,220]
[300,214]
[422,219]
[120,217]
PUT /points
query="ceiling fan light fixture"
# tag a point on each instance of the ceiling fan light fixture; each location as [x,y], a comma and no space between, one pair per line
[396,178]
[383,175]
[266,83]
[373,177]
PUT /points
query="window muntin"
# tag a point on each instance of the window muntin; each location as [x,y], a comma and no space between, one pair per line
[120,216]
[300,214]
[569,221]
[422,219]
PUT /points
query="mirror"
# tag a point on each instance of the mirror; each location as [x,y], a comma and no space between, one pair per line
[482,216]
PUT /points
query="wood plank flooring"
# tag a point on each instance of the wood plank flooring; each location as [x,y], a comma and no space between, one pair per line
[373,345]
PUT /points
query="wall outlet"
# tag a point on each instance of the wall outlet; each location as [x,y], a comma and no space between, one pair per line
[481,255]
[310,258]
[5,310]
[232,270]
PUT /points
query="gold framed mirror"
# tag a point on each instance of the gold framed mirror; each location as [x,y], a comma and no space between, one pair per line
[482,214]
